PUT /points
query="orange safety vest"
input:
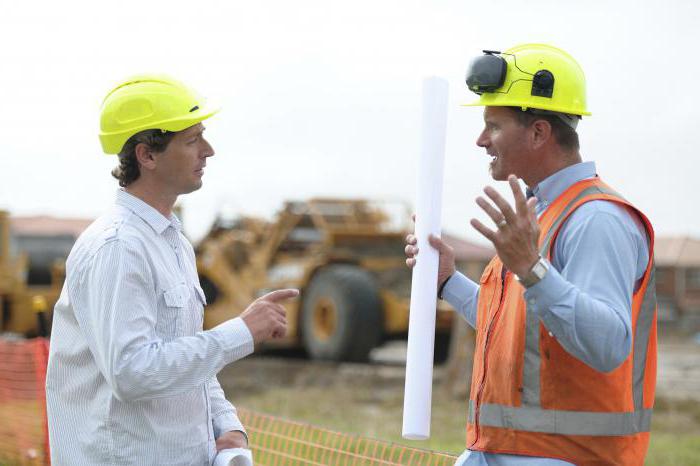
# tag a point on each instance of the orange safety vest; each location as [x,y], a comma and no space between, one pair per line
[529,396]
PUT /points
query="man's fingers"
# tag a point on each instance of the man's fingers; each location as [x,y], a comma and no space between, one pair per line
[518,195]
[410,262]
[279,309]
[280,295]
[410,250]
[411,239]
[502,204]
[483,229]
[413,217]
[280,321]
[278,326]
[490,210]
[531,211]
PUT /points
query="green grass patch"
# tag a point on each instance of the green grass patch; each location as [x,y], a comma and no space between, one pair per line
[374,409]
[673,449]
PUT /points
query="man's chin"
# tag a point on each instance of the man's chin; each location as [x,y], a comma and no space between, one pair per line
[497,175]
[192,188]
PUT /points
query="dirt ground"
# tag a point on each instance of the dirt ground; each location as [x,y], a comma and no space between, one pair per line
[367,399]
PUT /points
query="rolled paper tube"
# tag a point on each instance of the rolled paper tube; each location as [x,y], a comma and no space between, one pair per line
[234,457]
[421,325]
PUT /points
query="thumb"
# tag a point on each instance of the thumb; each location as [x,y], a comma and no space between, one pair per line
[437,243]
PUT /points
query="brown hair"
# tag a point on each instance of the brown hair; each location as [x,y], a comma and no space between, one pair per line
[565,135]
[128,169]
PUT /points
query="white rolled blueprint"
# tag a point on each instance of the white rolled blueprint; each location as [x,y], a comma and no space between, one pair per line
[234,457]
[421,325]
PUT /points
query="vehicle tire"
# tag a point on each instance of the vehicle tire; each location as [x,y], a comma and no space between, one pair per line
[341,317]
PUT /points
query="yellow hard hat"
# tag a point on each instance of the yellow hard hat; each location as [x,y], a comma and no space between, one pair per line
[530,76]
[149,101]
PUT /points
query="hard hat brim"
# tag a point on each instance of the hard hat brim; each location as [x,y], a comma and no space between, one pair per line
[479,103]
[112,143]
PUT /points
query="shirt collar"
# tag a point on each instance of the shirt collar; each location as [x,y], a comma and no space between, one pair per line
[554,185]
[150,215]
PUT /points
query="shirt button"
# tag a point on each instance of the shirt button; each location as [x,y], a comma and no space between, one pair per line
[551,334]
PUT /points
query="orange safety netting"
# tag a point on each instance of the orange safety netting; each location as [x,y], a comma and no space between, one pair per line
[274,441]
[23,429]
[278,442]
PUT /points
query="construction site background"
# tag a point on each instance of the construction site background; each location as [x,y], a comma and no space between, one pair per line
[31,267]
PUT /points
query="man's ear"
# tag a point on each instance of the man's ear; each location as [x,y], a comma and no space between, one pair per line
[541,133]
[144,155]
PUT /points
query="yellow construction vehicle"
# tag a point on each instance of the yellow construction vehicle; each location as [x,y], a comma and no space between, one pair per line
[345,256]
[27,291]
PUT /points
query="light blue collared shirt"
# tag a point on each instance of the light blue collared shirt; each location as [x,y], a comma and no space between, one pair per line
[131,377]
[585,299]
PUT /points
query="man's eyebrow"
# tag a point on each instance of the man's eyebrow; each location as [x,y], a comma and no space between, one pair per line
[197,132]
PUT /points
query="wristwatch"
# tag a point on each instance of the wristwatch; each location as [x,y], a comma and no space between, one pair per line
[536,273]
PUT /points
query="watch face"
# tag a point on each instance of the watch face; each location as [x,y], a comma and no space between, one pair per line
[540,269]
[536,273]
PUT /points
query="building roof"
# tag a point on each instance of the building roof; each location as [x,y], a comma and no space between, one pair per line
[677,251]
[468,251]
[44,225]
[669,251]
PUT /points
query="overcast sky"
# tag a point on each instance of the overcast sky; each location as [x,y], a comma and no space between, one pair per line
[322,98]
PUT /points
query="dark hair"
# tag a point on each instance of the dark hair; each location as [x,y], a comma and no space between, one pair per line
[566,136]
[128,170]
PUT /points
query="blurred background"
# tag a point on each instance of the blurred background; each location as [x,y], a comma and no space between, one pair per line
[315,171]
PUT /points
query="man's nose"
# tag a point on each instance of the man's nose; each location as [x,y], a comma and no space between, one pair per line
[208,149]
[483,140]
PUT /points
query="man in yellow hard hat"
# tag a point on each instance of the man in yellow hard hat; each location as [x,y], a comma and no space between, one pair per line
[131,376]
[565,314]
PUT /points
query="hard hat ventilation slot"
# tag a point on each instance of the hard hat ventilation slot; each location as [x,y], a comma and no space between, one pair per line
[196,107]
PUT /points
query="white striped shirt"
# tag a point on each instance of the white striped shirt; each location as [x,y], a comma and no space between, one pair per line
[132,377]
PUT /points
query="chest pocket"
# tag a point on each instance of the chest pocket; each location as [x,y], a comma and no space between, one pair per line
[171,312]
[200,302]
[200,294]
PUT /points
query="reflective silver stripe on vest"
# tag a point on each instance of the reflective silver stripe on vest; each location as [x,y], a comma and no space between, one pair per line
[552,421]
[641,339]
[532,360]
